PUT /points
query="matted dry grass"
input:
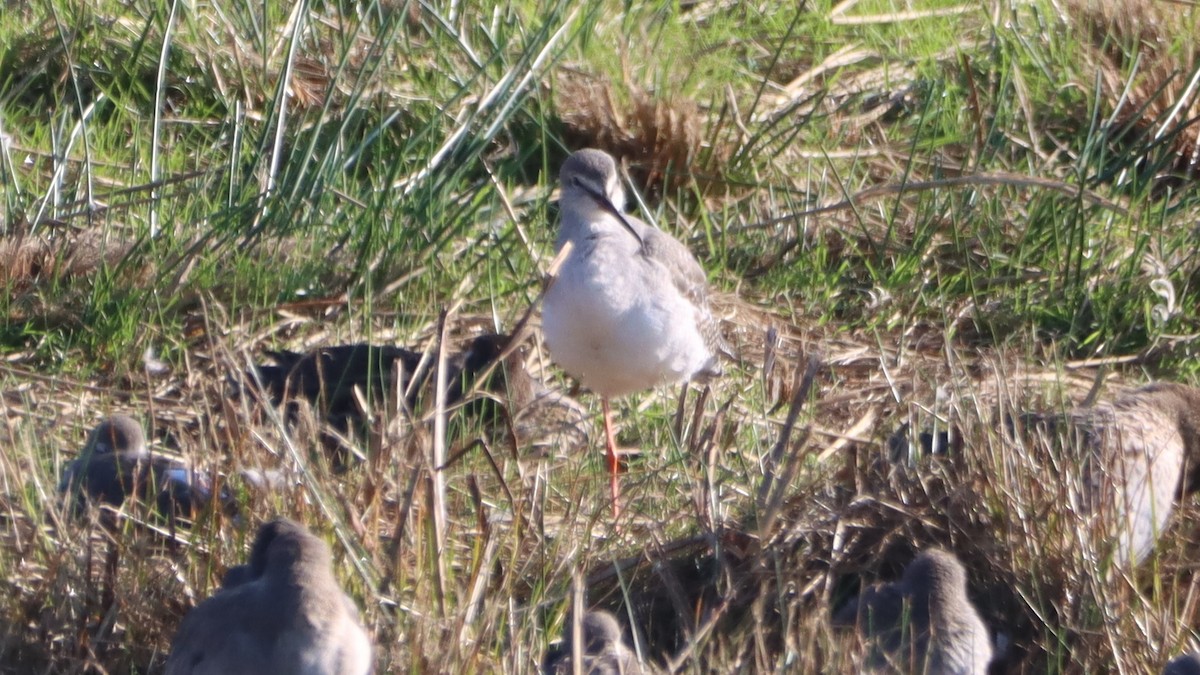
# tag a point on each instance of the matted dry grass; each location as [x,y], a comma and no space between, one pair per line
[733,583]
[658,136]
[761,596]
[722,565]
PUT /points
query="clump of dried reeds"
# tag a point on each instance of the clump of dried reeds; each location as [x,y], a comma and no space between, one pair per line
[1145,55]
[658,136]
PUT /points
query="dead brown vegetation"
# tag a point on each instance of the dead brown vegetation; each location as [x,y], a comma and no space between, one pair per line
[658,137]
[1054,599]
[1147,82]
[62,253]
[758,583]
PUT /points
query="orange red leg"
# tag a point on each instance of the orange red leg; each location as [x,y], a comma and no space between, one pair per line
[613,463]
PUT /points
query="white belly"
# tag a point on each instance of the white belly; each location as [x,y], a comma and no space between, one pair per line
[614,320]
[1132,481]
[1147,492]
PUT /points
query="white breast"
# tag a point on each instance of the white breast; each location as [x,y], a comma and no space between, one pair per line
[615,320]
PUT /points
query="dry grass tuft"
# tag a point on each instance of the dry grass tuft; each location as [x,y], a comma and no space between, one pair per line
[32,264]
[743,590]
[659,137]
[1147,58]
[60,255]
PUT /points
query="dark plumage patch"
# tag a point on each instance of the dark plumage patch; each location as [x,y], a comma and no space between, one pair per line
[332,379]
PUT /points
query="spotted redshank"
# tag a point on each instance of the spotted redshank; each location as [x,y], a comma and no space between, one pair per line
[629,309]
[1131,452]
[337,377]
[115,464]
[923,623]
[284,613]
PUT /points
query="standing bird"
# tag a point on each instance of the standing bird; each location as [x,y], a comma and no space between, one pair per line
[629,309]
[115,464]
[283,614]
[924,623]
[1132,453]
[603,652]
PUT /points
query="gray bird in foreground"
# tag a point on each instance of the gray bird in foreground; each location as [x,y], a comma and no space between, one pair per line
[257,565]
[629,308]
[1132,451]
[603,652]
[115,464]
[283,614]
[1184,664]
[923,623]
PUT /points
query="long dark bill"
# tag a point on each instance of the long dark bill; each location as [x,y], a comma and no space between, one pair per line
[603,201]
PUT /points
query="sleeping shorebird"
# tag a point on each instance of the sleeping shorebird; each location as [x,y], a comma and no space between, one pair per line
[629,309]
[115,464]
[330,376]
[284,613]
[923,623]
[1132,452]
[1123,460]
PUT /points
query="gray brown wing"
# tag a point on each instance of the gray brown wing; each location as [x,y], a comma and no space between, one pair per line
[218,638]
[688,277]
[686,273]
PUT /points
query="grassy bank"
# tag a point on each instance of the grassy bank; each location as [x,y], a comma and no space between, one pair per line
[925,196]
